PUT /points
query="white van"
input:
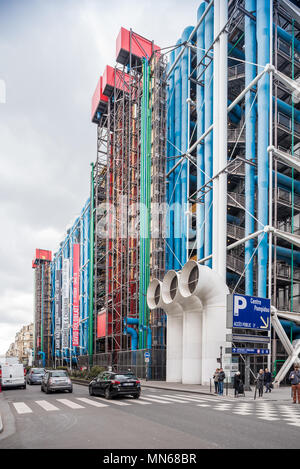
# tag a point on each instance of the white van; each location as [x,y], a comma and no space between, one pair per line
[12,375]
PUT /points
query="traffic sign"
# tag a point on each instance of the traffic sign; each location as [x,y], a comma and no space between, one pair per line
[147,354]
[248,312]
[251,351]
[254,339]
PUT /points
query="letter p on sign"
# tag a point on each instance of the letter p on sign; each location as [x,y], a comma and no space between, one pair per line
[239,303]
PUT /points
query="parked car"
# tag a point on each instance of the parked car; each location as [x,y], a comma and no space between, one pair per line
[35,375]
[56,380]
[12,375]
[110,384]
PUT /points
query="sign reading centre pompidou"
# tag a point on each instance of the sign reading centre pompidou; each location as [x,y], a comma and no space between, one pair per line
[76,253]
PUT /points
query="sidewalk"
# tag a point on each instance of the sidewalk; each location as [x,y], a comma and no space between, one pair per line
[1,422]
[282,394]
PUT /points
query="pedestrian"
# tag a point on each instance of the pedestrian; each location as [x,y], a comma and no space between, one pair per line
[260,383]
[268,380]
[221,381]
[295,382]
[216,380]
[237,384]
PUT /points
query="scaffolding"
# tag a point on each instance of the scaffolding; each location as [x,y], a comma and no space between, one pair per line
[42,311]
[134,146]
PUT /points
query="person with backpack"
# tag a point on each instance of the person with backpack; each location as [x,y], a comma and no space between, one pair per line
[260,383]
[216,380]
[295,382]
[268,380]
[221,381]
[238,384]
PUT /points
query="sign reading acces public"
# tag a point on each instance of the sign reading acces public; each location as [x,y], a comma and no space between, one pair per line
[248,312]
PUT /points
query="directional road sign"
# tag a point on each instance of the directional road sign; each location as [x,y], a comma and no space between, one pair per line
[248,312]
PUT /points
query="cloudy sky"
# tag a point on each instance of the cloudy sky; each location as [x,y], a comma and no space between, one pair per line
[51,55]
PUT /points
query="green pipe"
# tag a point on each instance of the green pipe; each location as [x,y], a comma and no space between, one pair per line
[91,271]
[145,205]
[275,367]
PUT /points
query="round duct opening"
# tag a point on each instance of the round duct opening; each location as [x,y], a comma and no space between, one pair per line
[173,287]
[157,294]
[193,279]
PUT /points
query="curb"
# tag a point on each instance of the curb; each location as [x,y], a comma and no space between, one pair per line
[165,388]
[1,423]
[145,385]
[83,383]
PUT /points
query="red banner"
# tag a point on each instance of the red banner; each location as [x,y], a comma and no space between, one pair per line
[76,315]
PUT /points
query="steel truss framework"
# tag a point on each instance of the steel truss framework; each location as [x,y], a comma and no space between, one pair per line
[284,202]
[120,149]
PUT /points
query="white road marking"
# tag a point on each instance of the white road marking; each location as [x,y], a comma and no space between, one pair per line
[203,405]
[173,399]
[190,399]
[156,400]
[71,404]
[91,402]
[47,406]
[22,408]
[112,401]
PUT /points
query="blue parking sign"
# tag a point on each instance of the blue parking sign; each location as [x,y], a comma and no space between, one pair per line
[248,312]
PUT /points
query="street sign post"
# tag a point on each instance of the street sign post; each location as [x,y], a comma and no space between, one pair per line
[250,314]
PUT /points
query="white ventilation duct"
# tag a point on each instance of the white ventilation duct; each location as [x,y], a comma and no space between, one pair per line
[205,298]
[169,303]
[195,302]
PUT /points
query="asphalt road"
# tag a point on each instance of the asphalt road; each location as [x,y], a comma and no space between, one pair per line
[160,419]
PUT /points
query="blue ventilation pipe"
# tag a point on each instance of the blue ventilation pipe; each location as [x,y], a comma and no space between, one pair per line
[200,130]
[170,163]
[208,143]
[287,37]
[285,182]
[263,57]
[132,332]
[184,140]
[149,336]
[250,74]
[177,172]
[289,326]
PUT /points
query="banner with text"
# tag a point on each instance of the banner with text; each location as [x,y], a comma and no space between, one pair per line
[65,302]
[76,267]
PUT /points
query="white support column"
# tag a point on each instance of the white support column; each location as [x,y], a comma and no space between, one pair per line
[216,111]
[223,145]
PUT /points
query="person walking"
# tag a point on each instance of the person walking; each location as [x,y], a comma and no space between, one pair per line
[222,376]
[295,382]
[216,380]
[268,380]
[237,383]
[260,383]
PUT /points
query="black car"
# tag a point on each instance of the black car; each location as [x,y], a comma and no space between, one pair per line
[110,384]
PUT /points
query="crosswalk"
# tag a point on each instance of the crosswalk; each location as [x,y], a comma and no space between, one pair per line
[263,411]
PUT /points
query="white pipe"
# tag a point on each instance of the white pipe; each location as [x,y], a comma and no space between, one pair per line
[175,344]
[270,169]
[204,293]
[216,149]
[286,158]
[223,143]
[174,328]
